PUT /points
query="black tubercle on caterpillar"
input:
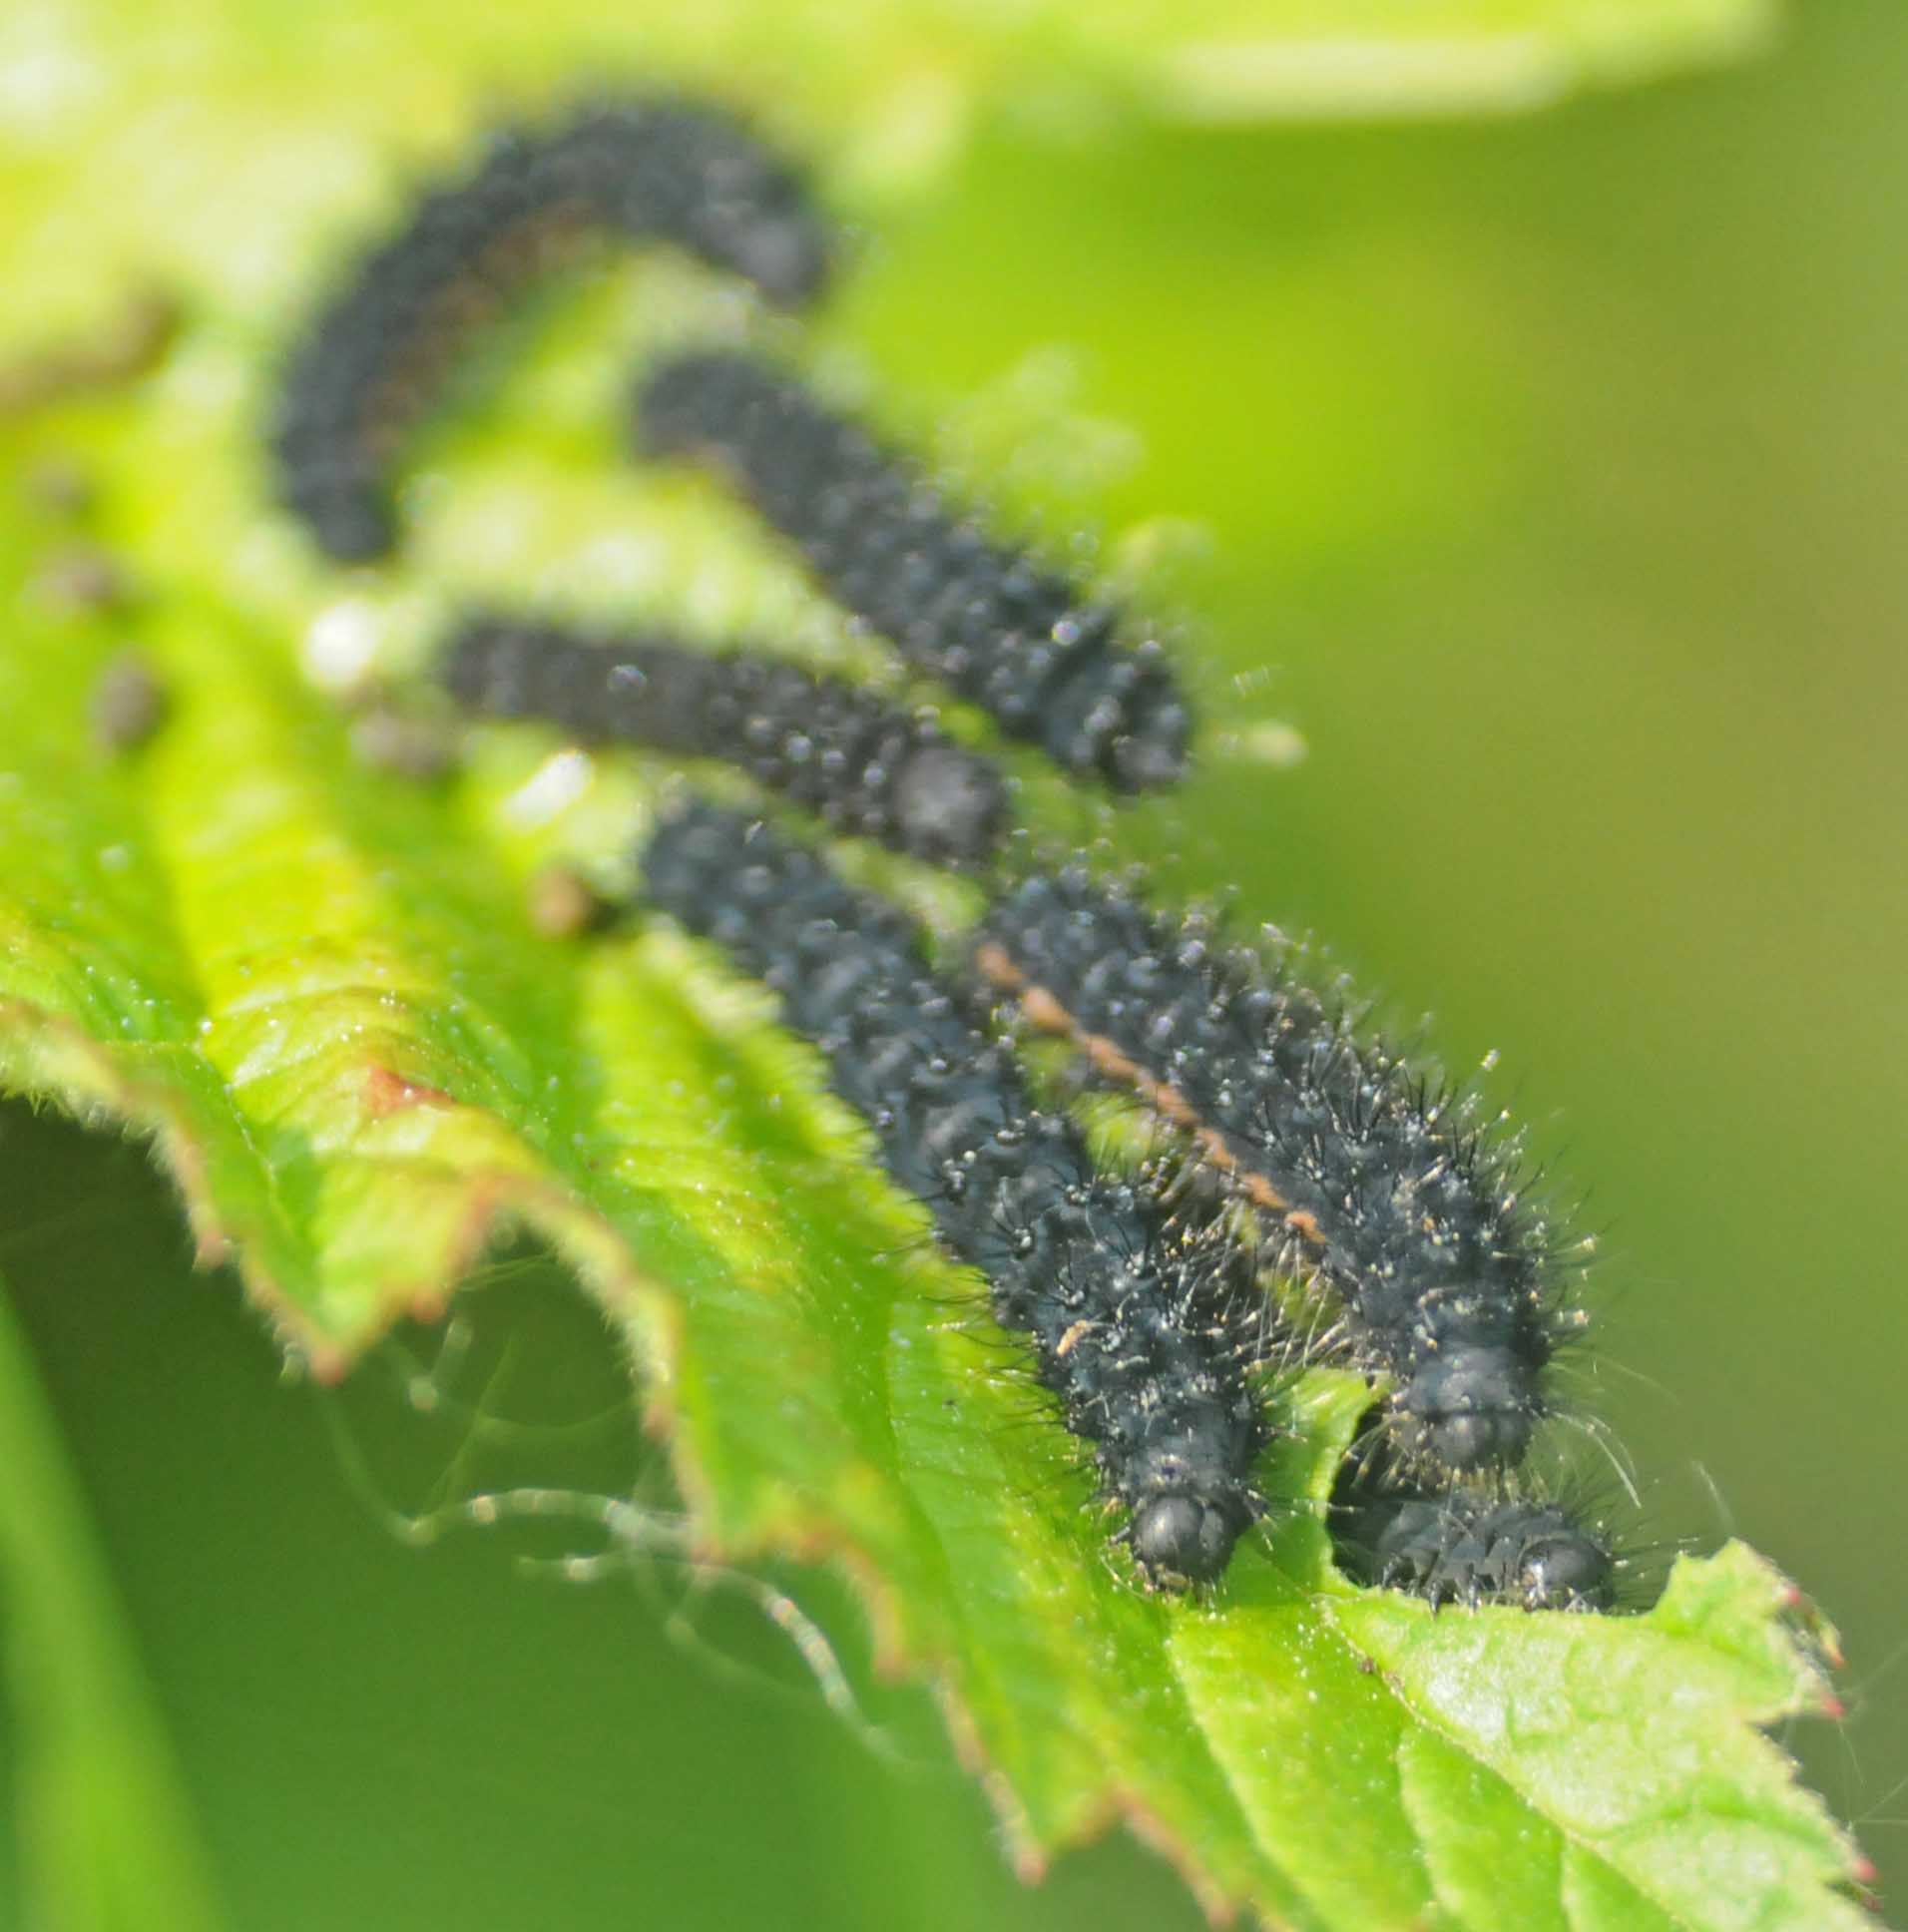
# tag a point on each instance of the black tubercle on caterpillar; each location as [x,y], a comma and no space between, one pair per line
[1146,1330]
[1462,1546]
[1027,645]
[646,169]
[1368,1182]
[866,768]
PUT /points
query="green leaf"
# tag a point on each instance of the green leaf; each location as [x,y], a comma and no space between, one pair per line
[108,1840]
[317,986]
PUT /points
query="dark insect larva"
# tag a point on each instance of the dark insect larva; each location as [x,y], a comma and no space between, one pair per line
[1468,1549]
[1368,1184]
[650,169]
[867,769]
[1027,645]
[1146,1330]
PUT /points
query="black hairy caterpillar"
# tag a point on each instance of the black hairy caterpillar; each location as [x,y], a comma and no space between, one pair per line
[1027,645]
[867,769]
[1373,1188]
[648,169]
[1368,1183]
[1147,1332]
[1459,1546]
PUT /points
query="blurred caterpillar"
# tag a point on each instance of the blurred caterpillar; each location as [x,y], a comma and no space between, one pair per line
[1029,646]
[863,767]
[645,169]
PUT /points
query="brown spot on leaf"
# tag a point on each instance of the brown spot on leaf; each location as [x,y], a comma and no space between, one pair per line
[386,1092]
[120,350]
[129,703]
[83,581]
[409,745]
[327,1364]
[429,1307]
[562,906]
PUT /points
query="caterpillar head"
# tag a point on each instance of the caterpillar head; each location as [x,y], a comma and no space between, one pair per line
[1182,1538]
[1468,1408]
[1463,1549]
[1189,1510]
[1554,1564]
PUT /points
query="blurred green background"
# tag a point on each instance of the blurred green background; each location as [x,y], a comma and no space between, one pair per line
[1556,473]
